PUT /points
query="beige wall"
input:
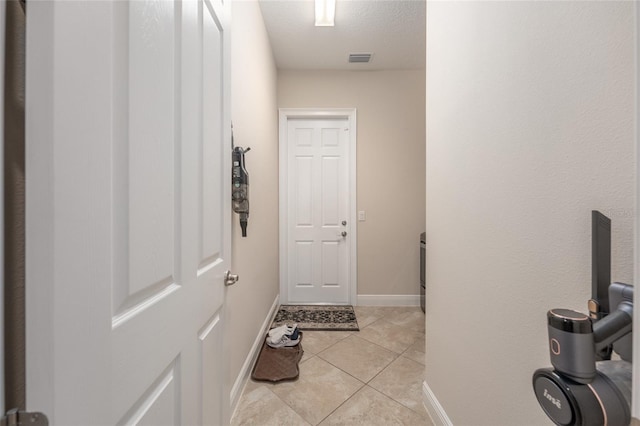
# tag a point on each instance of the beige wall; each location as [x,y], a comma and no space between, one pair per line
[255,120]
[530,126]
[391,169]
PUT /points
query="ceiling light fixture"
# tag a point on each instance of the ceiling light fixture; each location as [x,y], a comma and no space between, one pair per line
[325,13]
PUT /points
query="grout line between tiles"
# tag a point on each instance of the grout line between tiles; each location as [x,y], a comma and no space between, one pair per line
[390,350]
[334,343]
[343,402]
[349,374]
[391,397]
[289,405]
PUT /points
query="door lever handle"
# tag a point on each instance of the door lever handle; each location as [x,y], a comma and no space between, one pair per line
[230,279]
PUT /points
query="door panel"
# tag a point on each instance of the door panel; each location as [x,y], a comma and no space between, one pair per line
[160,404]
[330,264]
[145,165]
[331,191]
[211,374]
[212,184]
[153,28]
[129,211]
[303,262]
[318,189]
[304,190]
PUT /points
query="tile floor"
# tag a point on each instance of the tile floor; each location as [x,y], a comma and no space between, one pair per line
[370,377]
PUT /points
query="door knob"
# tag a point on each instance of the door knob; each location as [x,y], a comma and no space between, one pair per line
[229,278]
[343,233]
[344,223]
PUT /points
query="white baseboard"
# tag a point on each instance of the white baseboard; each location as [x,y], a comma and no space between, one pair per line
[388,300]
[433,407]
[245,371]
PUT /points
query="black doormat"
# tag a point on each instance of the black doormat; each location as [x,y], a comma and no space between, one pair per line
[315,317]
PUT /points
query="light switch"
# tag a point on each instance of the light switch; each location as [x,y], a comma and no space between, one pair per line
[362,216]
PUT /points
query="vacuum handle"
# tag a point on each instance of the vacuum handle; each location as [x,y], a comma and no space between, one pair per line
[613,326]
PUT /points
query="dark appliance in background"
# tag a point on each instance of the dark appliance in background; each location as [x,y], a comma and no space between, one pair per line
[423,244]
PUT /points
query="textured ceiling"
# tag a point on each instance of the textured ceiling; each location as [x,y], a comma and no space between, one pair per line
[392,30]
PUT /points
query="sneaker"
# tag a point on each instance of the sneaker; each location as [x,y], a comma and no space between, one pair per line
[294,335]
[283,341]
[283,329]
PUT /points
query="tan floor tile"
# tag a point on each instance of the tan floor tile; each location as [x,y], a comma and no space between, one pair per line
[305,357]
[315,342]
[402,382]
[319,390]
[370,408]
[260,406]
[410,317]
[366,315]
[416,351]
[358,357]
[390,336]
[254,384]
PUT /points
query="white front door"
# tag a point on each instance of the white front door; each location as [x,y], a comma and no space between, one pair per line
[318,210]
[128,211]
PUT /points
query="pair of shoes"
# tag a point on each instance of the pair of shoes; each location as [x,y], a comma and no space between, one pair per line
[275,334]
[284,340]
[285,329]
[283,336]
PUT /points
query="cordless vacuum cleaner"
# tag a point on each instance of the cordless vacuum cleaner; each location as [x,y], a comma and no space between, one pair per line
[579,390]
[240,187]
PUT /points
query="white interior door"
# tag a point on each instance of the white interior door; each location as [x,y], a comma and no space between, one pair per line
[318,210]
[128,211]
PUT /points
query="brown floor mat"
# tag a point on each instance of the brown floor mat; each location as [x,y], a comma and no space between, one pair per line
[274,365]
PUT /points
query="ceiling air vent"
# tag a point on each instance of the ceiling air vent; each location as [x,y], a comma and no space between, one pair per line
[359,57]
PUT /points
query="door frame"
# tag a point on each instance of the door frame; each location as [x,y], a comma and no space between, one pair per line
[635,382]
[284,115]
[3,6]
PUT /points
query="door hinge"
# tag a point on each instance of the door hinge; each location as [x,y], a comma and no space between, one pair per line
[16,417]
